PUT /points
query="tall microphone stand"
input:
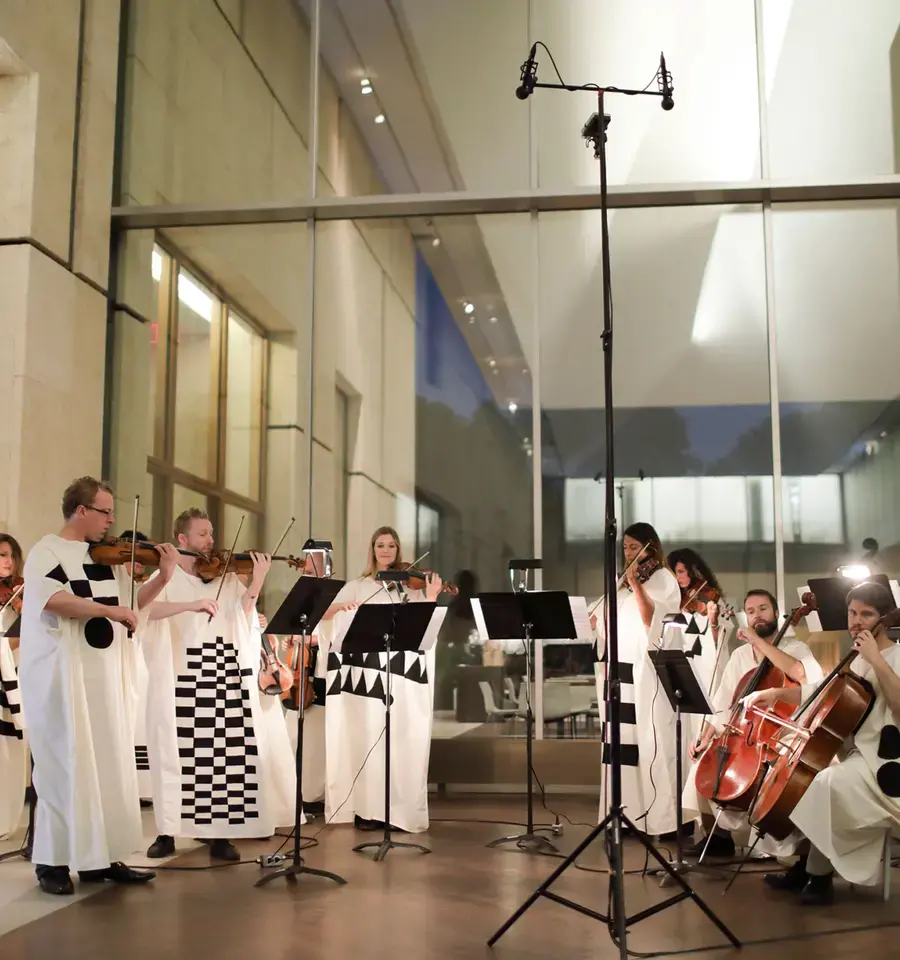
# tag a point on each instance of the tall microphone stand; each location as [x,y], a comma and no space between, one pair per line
[617,920]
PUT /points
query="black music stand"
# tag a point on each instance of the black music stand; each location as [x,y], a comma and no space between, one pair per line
[529,616]
[390,628]
[831,598]
[301,610]
[685,694]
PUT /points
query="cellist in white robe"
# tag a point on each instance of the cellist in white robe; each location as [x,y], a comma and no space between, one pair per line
[648,592]
[71,675]
[851,805]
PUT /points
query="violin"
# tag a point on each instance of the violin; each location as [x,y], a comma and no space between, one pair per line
[11,592]
[698,597]
[274,678]
[836,710]
[117,550]
[730,770]
[291,696]
[418,578]
[643,571]
[217,564]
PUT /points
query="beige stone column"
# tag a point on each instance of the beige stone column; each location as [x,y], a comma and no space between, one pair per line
[55,190]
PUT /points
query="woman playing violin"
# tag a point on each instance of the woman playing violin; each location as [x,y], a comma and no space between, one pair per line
[354,718]
[648,592]
[13,749]
[703,600]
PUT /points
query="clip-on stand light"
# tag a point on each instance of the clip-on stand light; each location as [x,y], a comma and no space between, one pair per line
[617,921]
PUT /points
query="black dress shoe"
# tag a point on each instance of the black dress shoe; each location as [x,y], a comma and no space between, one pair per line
[721,845]
[362,824]
[54,880]
[162,846]
[818,892]
[116,873]
[224,850]
[793,881]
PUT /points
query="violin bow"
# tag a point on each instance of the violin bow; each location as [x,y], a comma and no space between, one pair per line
[225,567]
[283,537]
[134,526]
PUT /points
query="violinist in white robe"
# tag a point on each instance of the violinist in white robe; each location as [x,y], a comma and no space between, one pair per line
[851,805]
[211,762]
[354,712]
[648,592]
[73,643]
[13,740]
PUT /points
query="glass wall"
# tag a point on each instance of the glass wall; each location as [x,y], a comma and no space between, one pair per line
[204,79]
[189,393]
[444,372]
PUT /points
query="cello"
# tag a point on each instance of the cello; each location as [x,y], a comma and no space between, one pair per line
[731,768]
[834,711]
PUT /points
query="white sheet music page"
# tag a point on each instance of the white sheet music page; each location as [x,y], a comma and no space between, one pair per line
[582,619]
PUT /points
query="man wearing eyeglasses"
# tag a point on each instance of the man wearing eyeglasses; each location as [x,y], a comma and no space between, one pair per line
[72,656]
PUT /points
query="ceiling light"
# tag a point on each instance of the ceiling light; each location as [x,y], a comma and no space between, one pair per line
[365,82]
[471,319]
[366,90]
[469,307]
[380,118]
[492,363]
[513,406]
[493,319]
[436,242]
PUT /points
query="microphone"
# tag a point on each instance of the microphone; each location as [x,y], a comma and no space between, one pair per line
[528,76]
[665,84]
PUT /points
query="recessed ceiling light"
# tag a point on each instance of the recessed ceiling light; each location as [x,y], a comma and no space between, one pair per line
[492,363]
[513,406]
[380,118]
[493,319]
[436,242]
[365,82]
[366,90]
[469,307]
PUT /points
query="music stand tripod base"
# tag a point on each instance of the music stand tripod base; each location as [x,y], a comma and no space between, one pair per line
[387,844]
[295,870]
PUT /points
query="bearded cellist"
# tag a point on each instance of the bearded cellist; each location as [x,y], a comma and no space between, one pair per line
[849,806]
[795,659]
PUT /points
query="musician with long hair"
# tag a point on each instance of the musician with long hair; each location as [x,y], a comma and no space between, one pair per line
[849,806]
[648,591]
[13,747]
[354,715]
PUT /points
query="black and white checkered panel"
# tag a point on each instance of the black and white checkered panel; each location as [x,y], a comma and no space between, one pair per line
[10,708]
[97,582]
[627,713]
[362,674]
[216,738]
[141,758]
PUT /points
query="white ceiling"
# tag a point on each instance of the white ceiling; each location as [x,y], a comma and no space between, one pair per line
[688,281]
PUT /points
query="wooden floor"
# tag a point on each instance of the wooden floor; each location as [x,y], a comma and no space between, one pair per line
[444,905]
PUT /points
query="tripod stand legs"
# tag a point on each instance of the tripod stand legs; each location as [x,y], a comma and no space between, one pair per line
[295,870]
[383,846]
[614,822]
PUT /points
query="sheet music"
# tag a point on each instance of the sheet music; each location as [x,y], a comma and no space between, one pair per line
[582,619]
[343,620]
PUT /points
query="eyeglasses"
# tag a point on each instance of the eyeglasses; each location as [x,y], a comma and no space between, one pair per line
[106,513]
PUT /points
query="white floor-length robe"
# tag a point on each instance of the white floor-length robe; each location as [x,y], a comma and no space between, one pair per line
[71,675]
[741,662]
[13,742]
[648,722]
[210,757]
[354,724]
[710,657]
[849,806]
